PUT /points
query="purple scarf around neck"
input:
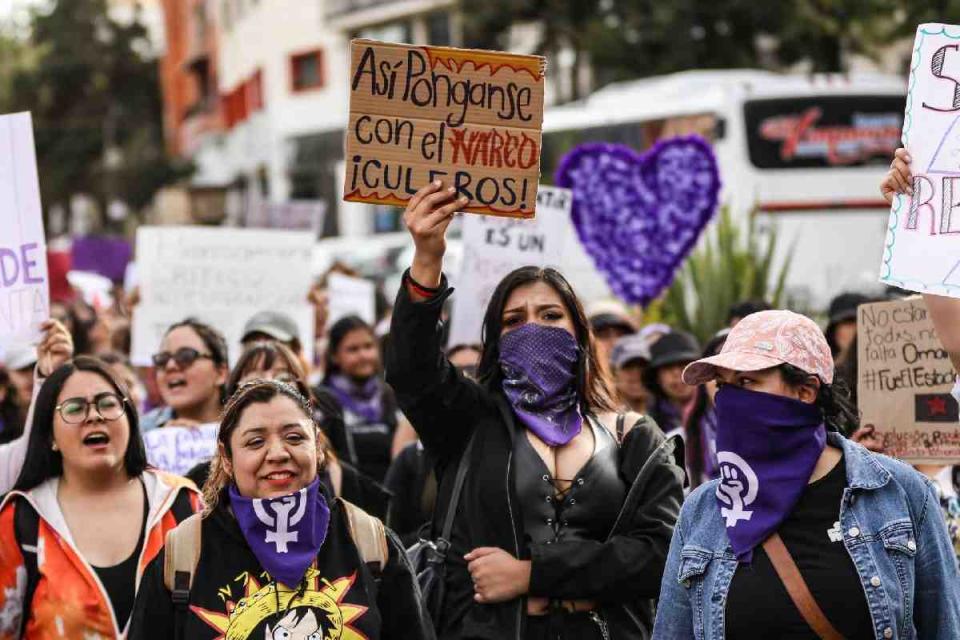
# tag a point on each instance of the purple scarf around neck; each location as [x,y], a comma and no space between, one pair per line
[365,400]
[539,366]
[767,448]
[284,533]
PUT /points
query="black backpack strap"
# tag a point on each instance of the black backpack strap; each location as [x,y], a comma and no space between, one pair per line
[457,490]
[26,524]
[621,418]
[182,507]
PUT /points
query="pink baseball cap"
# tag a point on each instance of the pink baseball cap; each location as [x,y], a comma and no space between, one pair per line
[768,339]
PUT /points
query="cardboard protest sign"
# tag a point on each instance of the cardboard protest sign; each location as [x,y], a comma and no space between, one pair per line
[922,248]
[348,296]
[24,290]
[904,384]
[493,247]
[221,276]
[469,118]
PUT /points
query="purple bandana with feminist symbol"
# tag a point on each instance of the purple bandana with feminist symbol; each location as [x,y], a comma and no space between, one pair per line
[539,366]
[284,533]
[364,399]
[767,447]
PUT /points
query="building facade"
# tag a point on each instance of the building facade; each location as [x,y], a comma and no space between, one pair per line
[256,94]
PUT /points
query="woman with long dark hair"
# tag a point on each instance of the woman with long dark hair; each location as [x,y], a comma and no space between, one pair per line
[566,508]
[275,555]
[86,515]
[374,430]
[805,534]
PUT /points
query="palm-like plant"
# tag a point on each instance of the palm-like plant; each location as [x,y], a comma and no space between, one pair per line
[731,264]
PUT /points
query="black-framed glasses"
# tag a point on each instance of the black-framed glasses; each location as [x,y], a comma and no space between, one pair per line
[108,406]
[183,357]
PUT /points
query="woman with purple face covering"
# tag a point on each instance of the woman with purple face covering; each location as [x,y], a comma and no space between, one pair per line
[801,518]
[566,508]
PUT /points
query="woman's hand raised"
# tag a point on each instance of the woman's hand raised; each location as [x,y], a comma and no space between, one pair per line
[427,217]
[898,178]
[55,348]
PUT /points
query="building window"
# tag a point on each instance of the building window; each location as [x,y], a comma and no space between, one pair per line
[306,70]
[438,29]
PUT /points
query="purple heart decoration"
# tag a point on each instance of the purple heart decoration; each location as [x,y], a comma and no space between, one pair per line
[639,215]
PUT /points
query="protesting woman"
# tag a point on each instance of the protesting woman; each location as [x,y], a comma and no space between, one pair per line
[85,516]
[805,534]
[374,429]
[270,360]
[275,554]
[562,529]
[191,370]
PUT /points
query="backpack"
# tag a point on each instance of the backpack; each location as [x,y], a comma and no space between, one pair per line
[182,554]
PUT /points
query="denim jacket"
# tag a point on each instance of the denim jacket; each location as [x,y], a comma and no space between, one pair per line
[892,528]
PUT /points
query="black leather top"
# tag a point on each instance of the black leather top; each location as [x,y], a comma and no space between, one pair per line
[587,511]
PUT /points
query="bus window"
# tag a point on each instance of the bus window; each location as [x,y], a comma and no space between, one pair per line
[823,131]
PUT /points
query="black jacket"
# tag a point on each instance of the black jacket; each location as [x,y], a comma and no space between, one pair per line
[344,591]
[413,485]
[622,573]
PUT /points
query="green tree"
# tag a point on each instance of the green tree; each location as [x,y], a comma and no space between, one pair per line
[95,99]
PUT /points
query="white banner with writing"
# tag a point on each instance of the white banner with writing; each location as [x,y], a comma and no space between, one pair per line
[220,276]
[24,287]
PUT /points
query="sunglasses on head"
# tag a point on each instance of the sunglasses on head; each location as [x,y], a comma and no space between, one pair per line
[183,357]
[109,406]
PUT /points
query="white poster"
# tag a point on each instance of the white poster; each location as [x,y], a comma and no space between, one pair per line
[493,247]
[179,449]
[220,276]
[24,289]
[349,296]
[922,249]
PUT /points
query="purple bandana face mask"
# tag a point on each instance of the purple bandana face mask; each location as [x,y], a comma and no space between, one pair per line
[284,533]
[767,447]
[538,365]
[365,399]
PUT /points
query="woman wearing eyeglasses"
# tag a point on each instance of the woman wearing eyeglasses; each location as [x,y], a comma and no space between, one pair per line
[86,515]
[191,369]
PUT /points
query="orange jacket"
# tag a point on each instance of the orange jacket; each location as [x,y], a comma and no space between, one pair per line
[70,601]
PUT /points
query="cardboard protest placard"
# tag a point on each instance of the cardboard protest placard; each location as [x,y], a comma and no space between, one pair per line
[469,118]
[904,382]
[493,247]
[221,276]
[922,248]
[348,296]
[24,291]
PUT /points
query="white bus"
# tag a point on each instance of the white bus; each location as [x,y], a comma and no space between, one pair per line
[807,153]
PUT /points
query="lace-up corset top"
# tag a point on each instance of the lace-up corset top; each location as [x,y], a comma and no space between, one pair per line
[585,511]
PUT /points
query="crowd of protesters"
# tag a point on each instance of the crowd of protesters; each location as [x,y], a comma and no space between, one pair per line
[578,474]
